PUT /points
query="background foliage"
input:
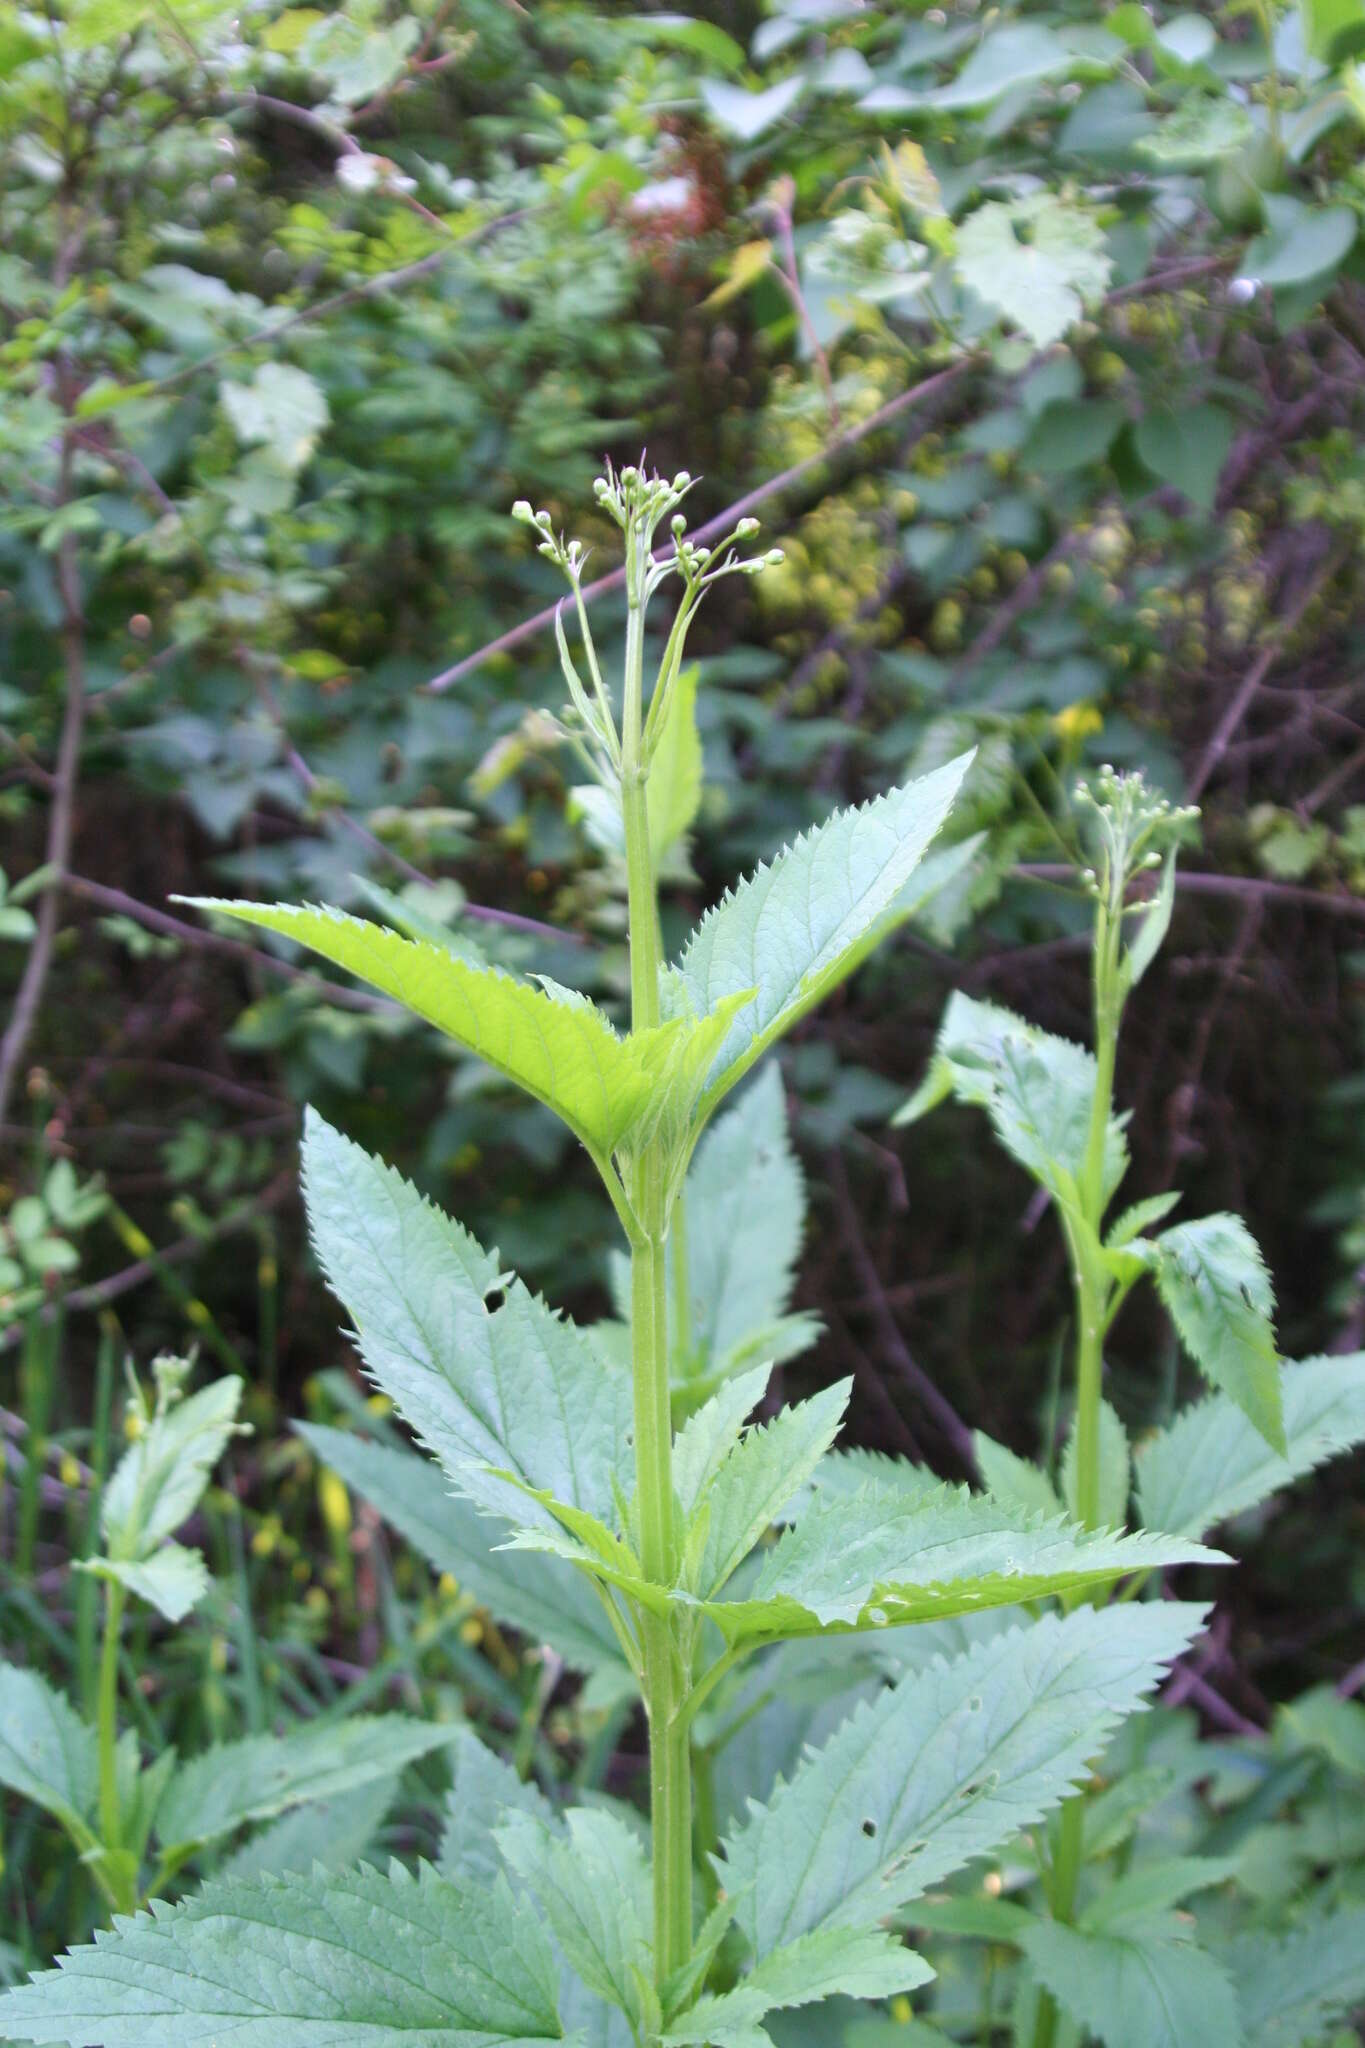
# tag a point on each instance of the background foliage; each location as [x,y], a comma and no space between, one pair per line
[1039,334]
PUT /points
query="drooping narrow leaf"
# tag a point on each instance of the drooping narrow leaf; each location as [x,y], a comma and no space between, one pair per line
[1149,1987]
[1212,1463]
[547,1603]
[794,930]
[232,1783]
[852,1962]
[47,1753]
[482,1370]
[568,1058]
[942,1767]
[339,1960]
[1213,1281]
[1036,1088]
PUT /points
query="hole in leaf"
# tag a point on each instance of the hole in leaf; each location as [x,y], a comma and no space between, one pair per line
[974,1705]
[870,1830]
[494,1300]
[1023,231]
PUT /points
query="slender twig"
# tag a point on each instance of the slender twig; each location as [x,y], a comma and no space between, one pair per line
[1200,884]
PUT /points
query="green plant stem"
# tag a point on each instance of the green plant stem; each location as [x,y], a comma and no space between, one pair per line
[665,1667]
[107,1720]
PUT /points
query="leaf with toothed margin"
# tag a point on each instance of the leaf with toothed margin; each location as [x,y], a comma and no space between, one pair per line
[1212,1279]
[769,1464]
[353,1959]
[942,1767]
[47,1753]
[795,929]
[1212,1462]
[849,1962]
[488,1376]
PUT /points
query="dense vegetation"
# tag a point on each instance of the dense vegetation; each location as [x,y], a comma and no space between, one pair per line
[1036,338]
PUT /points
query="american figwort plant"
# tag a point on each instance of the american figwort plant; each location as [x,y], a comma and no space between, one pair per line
[542,1924]
[90,1777]
[1051,1105]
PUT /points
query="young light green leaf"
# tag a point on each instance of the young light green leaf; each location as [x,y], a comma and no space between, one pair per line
[1148,1988]
[353,1958]
[1212,1463]
[883,1557]
[486,1374]
[47,1753]
[852,1962]
[1037,1090]
[710,1434]
[762,1472]
[592,1886]
[173,1580]
[1038,261]
[568,1058]
[674,790]
[1115,1476]
[1290,1991]
[1153,924]
[1141,1216]
[484,1793]
[1213,1281]
[796,929]
[942,1767]
[224,1787]
[546,1604]
[1013,1479]
[159,1481]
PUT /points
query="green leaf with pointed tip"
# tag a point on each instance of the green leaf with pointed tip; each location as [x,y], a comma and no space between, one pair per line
[1152,1887]
[852,1962]
[1115,1475]
[485,1793]
[47,1753]
[883,1557]
[410,918]
[942,1767]
[1153,924]
[1290,1991]
[794,930]
[173,1580]
[1036,1088]
[1213,1281]
[1212,1463]
[673,792]
[760,1475]
[159,1481]
[710,1434]
[1147,1988]
[548,1606]
[333,1832]
[225,1787]
[568,1058]
[1014,1479]
[336,1960]
[591,1883]
[488,1376]
[1142,1215]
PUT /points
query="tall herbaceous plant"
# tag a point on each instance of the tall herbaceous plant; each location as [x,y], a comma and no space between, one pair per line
[705,1547]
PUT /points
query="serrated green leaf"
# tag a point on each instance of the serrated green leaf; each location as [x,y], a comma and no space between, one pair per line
[1014,1479]
[1322,1719]
[485,1792]
[1036,1088]
[1213,1281]
[942,1767]
[853,1962]
[47,1753]
[591,1883]
[548,1606]
[762,1472]
[173,1580]
[158,1482]
[1115,1476]
[1153,1887]
[1144,1989]
[333,1832]
[794,930]
[340,1960]
[1141,1216]
[488,1376]
[1289,1991]
[233,1783]
[1212,1462]
[1039,261]
[708,1436]
[1198,131]
[883,1557]
[569,1059]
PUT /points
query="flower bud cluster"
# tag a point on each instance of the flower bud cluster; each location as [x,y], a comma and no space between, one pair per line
[1135,828]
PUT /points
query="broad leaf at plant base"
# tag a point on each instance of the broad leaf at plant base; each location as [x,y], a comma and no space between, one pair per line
[360,1959]
[488,1376]
[1212,1463]
[943,1766]
[1289,1991]
[796,928]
